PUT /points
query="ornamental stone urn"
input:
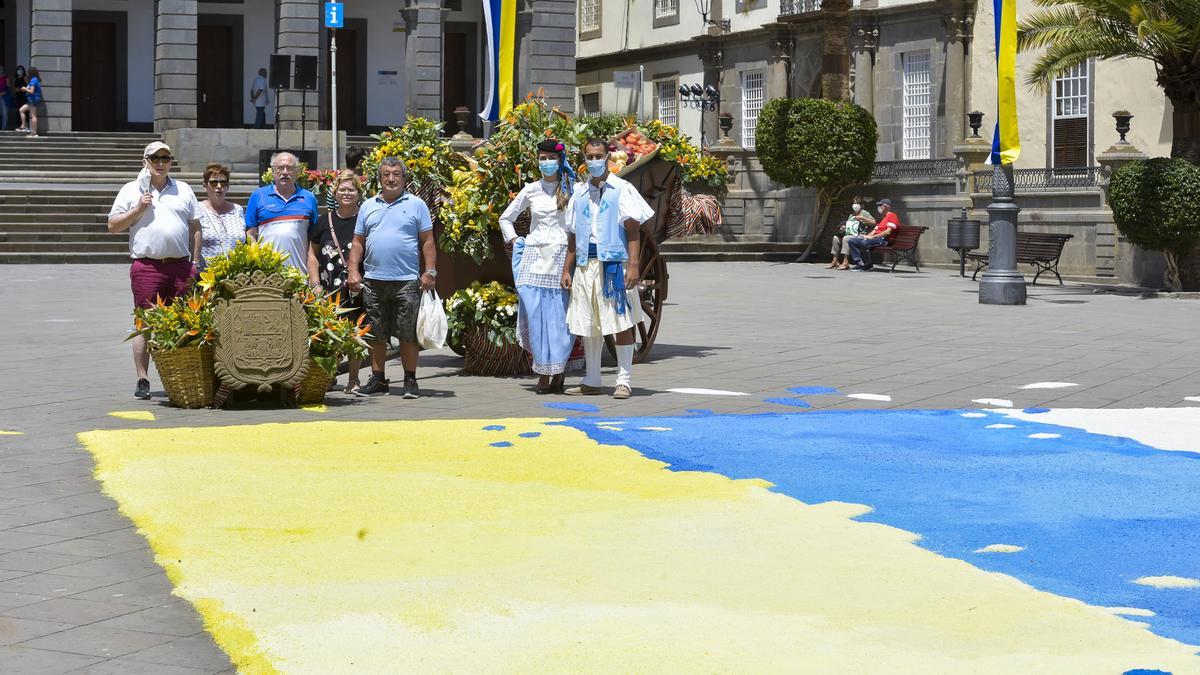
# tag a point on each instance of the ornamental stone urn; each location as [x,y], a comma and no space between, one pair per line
[263,337]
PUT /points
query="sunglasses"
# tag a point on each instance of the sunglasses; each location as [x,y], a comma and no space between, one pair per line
[160,159]
[217,182]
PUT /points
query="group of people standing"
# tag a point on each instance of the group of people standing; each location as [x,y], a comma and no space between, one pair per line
[23,95]
[576,272]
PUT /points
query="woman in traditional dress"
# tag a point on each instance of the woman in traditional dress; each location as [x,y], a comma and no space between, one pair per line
[329,252]
[538,261]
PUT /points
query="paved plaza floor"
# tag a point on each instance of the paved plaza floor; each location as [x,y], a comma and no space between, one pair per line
[80,589]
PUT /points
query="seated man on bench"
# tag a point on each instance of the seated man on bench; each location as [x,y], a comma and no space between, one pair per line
[860,247]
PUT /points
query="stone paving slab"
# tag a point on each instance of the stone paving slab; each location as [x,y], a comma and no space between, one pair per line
[78,586]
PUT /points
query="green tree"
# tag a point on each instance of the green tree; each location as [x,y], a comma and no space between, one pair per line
[816,143]
[1165,32]
[1153,202]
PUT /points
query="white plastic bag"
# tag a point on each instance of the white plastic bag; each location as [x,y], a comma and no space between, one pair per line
[431,321]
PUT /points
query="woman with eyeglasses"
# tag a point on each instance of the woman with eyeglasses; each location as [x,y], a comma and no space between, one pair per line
[222,223]
[330,240]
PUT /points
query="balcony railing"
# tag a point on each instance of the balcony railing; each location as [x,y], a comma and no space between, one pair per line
[1057,178]
[914,170]
[791,7]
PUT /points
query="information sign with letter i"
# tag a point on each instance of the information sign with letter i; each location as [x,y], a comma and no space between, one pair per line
[335,15]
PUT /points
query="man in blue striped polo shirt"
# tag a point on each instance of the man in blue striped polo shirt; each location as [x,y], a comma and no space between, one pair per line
[281,213]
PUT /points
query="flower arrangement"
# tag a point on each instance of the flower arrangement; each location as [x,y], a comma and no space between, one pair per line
[472,191]
[491,308]
[186,321]
[422,148]
[330,334]
[499,169]
[246,258]
[696,165]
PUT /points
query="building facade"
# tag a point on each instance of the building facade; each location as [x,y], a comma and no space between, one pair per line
[920,66]
[111,65]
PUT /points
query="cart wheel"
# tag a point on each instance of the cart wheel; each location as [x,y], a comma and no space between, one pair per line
[654,296]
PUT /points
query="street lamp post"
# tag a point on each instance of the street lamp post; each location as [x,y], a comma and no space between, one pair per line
[704,99]
[704,7]
[1002,284]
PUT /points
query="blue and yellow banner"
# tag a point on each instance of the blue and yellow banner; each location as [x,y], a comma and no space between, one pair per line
[1006,144]
[500,22]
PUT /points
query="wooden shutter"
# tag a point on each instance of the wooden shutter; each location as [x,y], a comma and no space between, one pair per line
[1071,142]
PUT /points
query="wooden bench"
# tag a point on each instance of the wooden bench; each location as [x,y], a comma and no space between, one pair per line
[903,245]
[1040,249]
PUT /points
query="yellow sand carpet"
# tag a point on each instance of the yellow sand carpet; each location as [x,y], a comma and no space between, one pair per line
[329,547]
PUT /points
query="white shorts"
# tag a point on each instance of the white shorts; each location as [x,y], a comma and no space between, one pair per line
[590,314]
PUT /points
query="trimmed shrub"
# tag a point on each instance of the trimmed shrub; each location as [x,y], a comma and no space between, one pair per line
[815,143]
[1153,203]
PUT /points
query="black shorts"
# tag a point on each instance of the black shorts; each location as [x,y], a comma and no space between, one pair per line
[392,307]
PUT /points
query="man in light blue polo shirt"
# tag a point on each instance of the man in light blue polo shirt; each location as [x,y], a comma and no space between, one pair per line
[281,213]
[393,232]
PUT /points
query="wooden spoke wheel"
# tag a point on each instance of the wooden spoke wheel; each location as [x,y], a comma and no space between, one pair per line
[654,297]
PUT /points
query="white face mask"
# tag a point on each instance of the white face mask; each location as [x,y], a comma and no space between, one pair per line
[856,207]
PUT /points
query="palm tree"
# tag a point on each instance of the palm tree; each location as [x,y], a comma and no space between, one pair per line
[1166,32]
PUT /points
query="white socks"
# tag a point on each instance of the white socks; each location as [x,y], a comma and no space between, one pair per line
[625,365]
[591,356]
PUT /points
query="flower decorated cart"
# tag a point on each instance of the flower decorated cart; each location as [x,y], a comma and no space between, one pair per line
[467,192]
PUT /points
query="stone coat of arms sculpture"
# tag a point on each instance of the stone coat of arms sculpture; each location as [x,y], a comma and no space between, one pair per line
[264,337]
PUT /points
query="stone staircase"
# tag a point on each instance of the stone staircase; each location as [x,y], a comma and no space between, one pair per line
[56,190]
[718,248]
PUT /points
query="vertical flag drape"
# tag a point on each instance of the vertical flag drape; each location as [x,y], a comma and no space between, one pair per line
[500,23]
[1006,143]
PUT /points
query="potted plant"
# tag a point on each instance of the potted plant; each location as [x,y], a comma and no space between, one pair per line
[331,337]
[483,318]
[181,336]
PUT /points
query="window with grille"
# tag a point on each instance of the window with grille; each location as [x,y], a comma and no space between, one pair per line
[753,96]
[590,103]
[917,127]
[1071,113]
[589,16]
[665,8]
[668,102]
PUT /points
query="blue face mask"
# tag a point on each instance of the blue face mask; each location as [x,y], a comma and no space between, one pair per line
[548,167]
[597,167]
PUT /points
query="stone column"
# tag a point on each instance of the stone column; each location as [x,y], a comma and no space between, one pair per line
[175,65]
[299,34]
[958,30]
[546,51]
[1110,255]
[779,77]
[972,156]
[423,58]
[864,67]
[50,53]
